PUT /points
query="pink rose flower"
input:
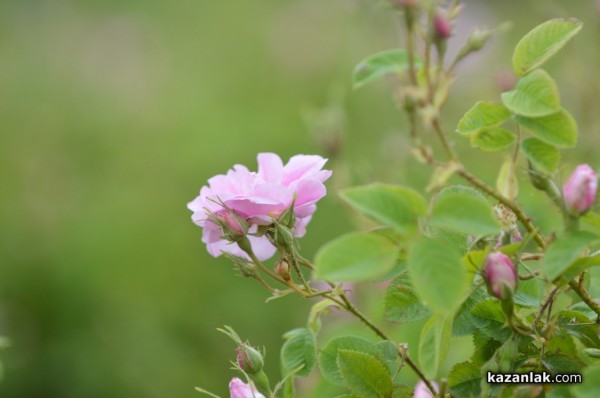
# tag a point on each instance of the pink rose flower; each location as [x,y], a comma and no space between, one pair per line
[239,389]
[259,197]
[580,189]
[422,391]
[499,271]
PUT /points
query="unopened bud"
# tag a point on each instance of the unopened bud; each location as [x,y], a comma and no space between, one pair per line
[579,192]
[442,25]
[234,227]
[282,268]
[500,273]
[249,359]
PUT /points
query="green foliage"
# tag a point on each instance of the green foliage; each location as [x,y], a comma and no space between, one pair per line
[464,379]
[490,319]
[464,322]
[493,139]
[545,40]
[300,349]
[434,343]
[535,95]
[579,326]
[329,354]
[381,64]
[558,129]
[591,383]
[483,115]
[463,211]
[544,157]
[564,251]
[356,256]
[364,374]
[392,205]
[401,303]
[438,274]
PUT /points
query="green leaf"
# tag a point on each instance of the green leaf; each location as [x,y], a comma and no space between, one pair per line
[558,129]
[490,319]
[564,251]
[483,115]
[438,274]
[592,220]
[562,363]
[379,65]
[392,205]
[493,139]
[401,303]
[507,182]
[434,343]
[389,354]
[464,380]
[591,383]
[461,211]
[580,265]
[329,354]
[356,256]
[535,95]
[300,349]
[364,374]
[579,326]
[464,322]
[545,40]
[543,156]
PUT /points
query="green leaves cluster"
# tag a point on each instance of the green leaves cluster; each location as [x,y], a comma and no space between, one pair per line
[359,365]
[534,103]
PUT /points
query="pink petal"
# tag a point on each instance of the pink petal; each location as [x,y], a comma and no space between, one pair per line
[270,167]
[300,166]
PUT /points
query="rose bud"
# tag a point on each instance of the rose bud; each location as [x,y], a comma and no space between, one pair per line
[579,192]
[239,389]
[249,359]
[499,272]
[422,391]
[442,25]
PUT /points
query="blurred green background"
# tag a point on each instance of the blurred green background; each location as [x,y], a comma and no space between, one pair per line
[113,114]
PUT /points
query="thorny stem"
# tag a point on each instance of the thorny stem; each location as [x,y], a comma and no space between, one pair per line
[540,311]
[346,304]
[352,309]
[585,296]
[260,265]
[476,182]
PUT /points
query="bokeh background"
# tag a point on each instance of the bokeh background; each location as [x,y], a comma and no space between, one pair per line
[113,114]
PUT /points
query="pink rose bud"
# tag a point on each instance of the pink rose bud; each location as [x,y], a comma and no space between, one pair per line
[580,190]
[239,389]
[442,25]
[499,271]
[422,391]
[249,359]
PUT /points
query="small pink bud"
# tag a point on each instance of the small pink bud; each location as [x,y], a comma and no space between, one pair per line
[239,389]
[282,268]
[422,391]
[499,271]
[579,192]
[442,25]
[234,222]
[249,359]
